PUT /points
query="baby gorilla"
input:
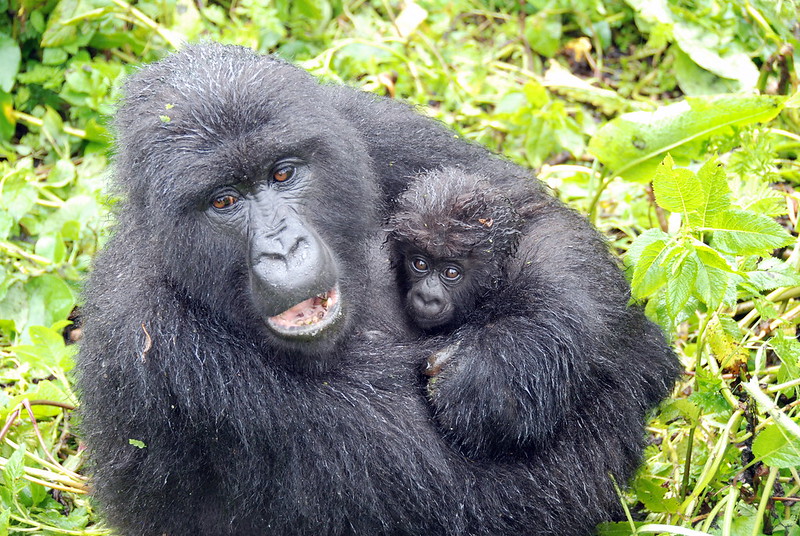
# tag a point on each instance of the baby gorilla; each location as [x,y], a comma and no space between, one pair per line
[450,238]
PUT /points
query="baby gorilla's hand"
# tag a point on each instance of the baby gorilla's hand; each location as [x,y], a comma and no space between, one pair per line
[434,364]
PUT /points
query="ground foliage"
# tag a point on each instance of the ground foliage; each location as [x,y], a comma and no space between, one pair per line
[671,123]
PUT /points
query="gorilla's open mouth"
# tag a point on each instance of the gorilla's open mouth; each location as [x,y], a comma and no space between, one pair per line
[308,317]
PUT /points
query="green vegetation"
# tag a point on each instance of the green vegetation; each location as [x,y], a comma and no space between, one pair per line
[671,123]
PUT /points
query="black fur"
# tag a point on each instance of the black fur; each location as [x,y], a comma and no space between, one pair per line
[536,357]
[248,434]
[450,220]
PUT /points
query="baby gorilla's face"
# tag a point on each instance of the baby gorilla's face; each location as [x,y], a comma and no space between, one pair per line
[439,290]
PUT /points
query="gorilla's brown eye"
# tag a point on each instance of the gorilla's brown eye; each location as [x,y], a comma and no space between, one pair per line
[451,273]
[224,201]
[419,264]
[283,174]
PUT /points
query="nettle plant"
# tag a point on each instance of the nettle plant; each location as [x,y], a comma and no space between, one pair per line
[716,248]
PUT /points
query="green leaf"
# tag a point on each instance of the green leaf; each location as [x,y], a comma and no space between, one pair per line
[62,174]
[723,337]
[18,196]
[10,57]
[653,495]
[49,300]
[14,469]
[75,521]
[649,275]
[680,407]
[680,282]
[777,448]
[45,390]
[51,247]
[677,190]
[716,194]
[788,351]
[726,60]
[711,286]
[136,443]
[66,24]
[694,80]
[48,349]
[642,241]
[619,528]
[711,257]
[773,273]
[633,144]
[543,32]
[739,232]
[5,519]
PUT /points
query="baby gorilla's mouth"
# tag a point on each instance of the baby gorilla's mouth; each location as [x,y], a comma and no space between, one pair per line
[308,317]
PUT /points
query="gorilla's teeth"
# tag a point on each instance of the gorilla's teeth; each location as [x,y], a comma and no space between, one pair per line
[320,309]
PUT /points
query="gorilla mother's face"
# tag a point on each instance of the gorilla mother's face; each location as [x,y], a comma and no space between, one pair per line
[271,191]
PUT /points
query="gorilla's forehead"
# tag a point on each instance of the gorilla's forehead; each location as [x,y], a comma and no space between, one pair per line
[217,92]
[216,111]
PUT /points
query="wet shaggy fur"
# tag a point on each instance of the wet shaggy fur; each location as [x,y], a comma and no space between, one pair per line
[246,434]
[449,215]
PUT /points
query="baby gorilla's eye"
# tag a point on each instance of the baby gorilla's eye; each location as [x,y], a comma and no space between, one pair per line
[283,173]
[451,273]
[224,201]
[419,265]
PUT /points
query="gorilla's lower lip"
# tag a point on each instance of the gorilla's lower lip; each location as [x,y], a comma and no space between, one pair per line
[308,317]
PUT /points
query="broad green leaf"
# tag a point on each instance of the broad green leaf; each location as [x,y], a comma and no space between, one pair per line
[51,247]
[14,308]
[695,81]
[716,194]
[65,25]
[17,196]
[618,528]
[739,232]
[536,95]
[45,390]
[633,144]
[641,242]
[653,496]
[5,518]
[680,282]
[777,447]
[724,343]
[711,257]
[10,57]
[543,32]
[62,174]
[75,521]
[14,469]
[680,407]
[677,190]
[773,273]
[49,300]
[788,351]
[48,349]
[711,285]
[649,275]
[726,60]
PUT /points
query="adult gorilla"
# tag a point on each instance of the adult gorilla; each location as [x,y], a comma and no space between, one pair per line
[242,325]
